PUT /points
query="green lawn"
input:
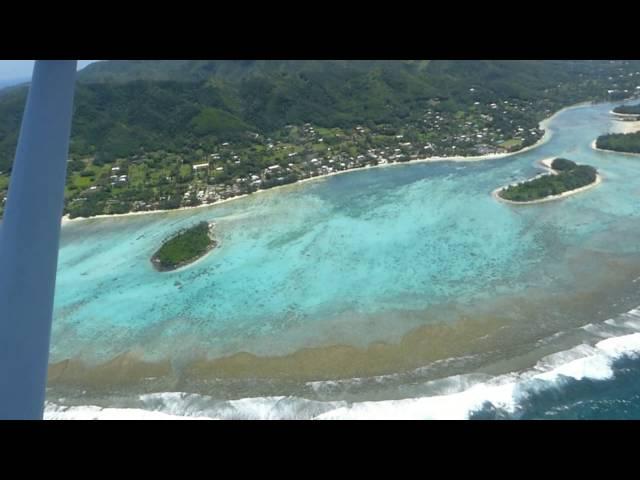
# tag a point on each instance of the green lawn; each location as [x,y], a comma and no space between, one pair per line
[81,182]
[137,175]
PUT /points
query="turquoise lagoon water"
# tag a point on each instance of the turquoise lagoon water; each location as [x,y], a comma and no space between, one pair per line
[364,256]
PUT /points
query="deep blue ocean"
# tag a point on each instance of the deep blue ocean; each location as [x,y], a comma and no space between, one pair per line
[617,398]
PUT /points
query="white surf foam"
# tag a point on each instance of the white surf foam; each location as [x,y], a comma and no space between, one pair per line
[504,392]
[457,397]
[92,412]
[456,406]
[259,408]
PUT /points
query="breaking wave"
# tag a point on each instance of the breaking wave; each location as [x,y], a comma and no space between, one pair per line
[455,397]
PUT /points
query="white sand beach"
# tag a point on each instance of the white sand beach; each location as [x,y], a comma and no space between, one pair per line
[624,115]
[627,127]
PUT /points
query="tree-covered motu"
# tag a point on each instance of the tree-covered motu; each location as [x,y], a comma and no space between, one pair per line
[620,142]
[628,109]
[184,247]
[570,177]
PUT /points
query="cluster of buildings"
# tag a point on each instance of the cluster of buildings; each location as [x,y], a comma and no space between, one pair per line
[116,178]
[474,134]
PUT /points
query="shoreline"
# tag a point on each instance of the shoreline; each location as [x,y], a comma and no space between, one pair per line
[215,243]
[624,115]
[545,163]
[544,125]
[635,127]
[621,126]
[593,146]
[170,403]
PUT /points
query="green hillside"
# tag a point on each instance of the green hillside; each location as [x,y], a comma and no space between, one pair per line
[154,119]
[125,106]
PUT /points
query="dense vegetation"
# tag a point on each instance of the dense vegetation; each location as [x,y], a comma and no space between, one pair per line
[628,109]
[127,107]
[140,126]
[570,177]
[560,164]
[620,142]
[184,247]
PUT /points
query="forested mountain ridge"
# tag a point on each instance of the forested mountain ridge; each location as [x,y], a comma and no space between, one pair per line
[122,106]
